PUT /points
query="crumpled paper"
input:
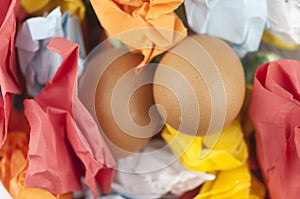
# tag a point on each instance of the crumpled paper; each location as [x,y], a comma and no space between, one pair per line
[229,151]
[39,7]
[87,194]
[13,165]
[271,39]
[3,192]
[275,110]
[227,159]
[20,191]
[61,127]
[37,63]
[113,196]
[147,26]
[18,122]
[240,23]
[8,79]
[284,24]
[154,172]
[234,183]
[13,156]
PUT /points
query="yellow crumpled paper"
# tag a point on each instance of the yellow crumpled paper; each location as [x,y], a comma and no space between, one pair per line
[39,7]
[272,39]
[13,166]
[227,159]
[150,27]
[229,151]
[234,183]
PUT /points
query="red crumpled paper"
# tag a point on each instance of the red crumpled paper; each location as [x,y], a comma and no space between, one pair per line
[8,78]
[65,141]
[275,111]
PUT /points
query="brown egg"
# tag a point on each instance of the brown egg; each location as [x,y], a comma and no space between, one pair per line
[201,85]
[107,88]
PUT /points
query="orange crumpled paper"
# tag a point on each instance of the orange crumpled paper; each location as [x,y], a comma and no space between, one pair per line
[13,156]
[65,142]
[20,191]
[275,111]
[147,26]
[8,79]
[13,165]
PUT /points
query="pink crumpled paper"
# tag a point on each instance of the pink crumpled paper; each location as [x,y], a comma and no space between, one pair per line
[275,111]
[8,79]
[65,142]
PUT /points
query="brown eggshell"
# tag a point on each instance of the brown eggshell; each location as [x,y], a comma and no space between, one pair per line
[211,53]
[96,88]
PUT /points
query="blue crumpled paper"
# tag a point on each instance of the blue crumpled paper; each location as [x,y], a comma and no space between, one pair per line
[39,64]
[240,23]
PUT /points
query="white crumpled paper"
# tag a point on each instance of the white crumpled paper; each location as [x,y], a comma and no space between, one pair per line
[155,172]
[4,193]
[283,20]
[37,63]
[239,22]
